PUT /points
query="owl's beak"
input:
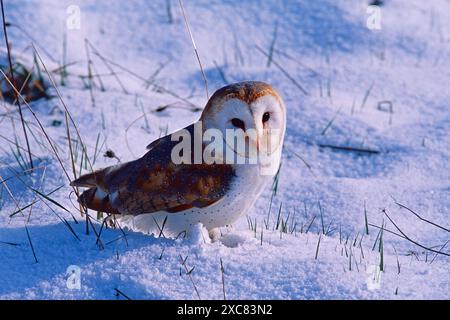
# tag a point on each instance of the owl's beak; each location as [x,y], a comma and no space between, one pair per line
[253,144]
[253,140]
[268,142]
[257,144]
[251,148]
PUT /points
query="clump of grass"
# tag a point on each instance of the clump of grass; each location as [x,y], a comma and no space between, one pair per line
[189,273]
[161,255]
[386,106]
[349,149]
[195,47]
[107,65]
[222,271]
[366,95]
[13,84]
[330,123]
[318,246]
[262,233]
[310,224]
[406,237]
[31,244]
[279,217]
[90,84]
[284,72]
[420,217]
[120,293]
[272,46]
[381,247]
[273,194]
[32,87]
[18,206]
[366,222]
[321,217]
[252,225]
[221,72]
[63,68]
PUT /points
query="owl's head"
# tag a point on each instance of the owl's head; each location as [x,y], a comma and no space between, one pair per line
[252,108]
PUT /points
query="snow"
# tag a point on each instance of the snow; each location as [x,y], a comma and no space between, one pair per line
[327,48]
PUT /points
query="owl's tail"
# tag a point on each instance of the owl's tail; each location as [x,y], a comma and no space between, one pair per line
[89,180]
[95,198]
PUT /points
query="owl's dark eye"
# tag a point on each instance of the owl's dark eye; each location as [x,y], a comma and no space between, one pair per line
[238,123]
[266,117]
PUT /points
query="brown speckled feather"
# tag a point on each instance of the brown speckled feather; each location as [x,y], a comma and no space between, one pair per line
[154,183]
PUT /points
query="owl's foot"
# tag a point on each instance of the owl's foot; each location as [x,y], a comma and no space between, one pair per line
[214,234]
[110,221]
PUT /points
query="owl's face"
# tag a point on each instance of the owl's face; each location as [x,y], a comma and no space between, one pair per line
[252,109]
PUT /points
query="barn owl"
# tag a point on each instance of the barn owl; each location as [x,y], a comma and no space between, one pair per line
[158,194]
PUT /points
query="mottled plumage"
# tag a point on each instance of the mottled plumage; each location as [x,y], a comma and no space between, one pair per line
[153,183]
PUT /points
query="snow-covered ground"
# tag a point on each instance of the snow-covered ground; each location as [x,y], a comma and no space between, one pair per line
[323,46]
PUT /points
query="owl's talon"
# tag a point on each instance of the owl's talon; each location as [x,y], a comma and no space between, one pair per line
[214,234]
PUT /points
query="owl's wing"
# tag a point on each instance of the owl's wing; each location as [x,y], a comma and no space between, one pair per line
[154,183]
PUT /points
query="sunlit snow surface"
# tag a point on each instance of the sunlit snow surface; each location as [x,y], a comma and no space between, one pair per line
[346,69]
